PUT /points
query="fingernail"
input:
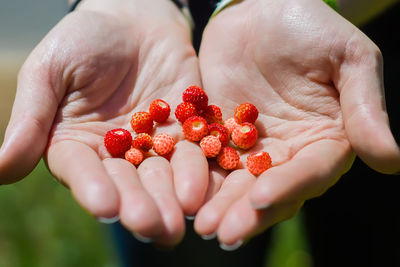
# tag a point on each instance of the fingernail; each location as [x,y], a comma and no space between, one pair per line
[190,218]
[142,238]
[261,206]
[233,247]
[209,237]
[108,220]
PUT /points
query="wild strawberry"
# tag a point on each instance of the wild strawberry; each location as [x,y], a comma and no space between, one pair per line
[142,122]
[245,136]
[168,156]
[258,163]
[163,144]
[219,131]
[246,112]
[159,110]
[117,141]
[210,146]
[212,114]
[230,124]
[134,156]
[184,111]
[228,158]
[195,128]
[197,96]
[143,141]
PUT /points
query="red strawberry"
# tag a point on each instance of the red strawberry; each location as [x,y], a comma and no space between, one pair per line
[219,131]
[134,156]
[184,111]
[159,110]
[210,146]
[142,122]
[143,141]
[163,144]
[258,163]
[117,142]
[228,158]
[245,136]
[212,114]
[246,112]
[195,128]
[197,96]
[230,124]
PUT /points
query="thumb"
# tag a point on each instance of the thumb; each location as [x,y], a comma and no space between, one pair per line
[33,111]
[362,98]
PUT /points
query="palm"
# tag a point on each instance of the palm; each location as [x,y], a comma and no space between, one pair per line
[120,77]
[280,68]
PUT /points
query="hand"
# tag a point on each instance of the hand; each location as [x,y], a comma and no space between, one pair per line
[317,82]
[97,67]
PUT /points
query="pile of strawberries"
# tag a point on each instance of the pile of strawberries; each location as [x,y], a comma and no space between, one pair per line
[200,123]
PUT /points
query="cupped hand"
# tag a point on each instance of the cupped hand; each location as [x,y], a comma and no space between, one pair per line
[97,67]
[317,82]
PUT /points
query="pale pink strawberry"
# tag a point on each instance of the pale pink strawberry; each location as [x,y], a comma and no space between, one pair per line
[134,156]
[211,146]
[163,144]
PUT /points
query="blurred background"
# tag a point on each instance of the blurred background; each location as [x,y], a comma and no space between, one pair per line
[40,223]
[355,223]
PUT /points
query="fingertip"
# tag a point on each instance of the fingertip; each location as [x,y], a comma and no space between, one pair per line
[232,247]
[19,154]
[156,176]
[140,215]
[108,220]
[385,159]
[206,222]
[236,224]
[174,232]
[191,179]
[98,198]
[377,148]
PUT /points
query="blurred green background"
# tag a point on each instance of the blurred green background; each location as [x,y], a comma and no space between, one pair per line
[40,223]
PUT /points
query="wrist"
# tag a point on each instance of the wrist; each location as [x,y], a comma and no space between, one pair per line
[226,3]
[134,11]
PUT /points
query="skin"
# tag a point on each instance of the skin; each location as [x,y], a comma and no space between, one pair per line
[80,82]
[317,82]
[97,67]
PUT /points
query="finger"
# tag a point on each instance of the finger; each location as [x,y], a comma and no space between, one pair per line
[156,176]
[217,176]
[362,99]
[80,168]
[138,212]
[190,169]
[32,115]
[308,174]
[242,221]
[211,214]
